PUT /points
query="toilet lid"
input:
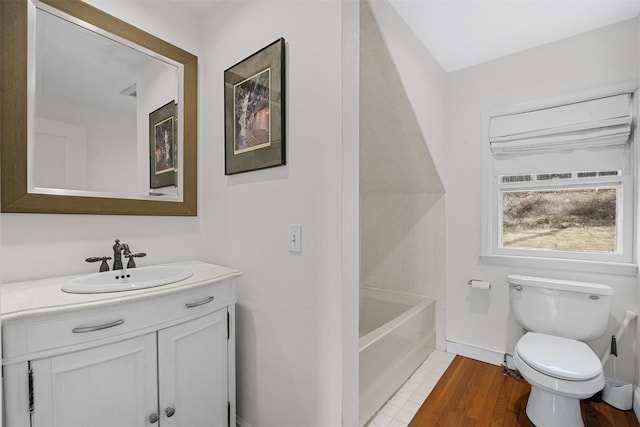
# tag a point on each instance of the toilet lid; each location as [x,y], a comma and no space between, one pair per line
[559,357]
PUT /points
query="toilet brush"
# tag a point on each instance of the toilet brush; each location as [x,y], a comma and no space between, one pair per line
[614,353]
[617,394]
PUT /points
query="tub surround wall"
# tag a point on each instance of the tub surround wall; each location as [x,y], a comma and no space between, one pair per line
[401,195]
[425,81]
[605,56]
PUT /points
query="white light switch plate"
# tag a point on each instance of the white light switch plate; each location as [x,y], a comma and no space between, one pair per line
[295,238]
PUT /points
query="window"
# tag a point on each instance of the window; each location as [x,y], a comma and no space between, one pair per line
[561,182]
[562,215]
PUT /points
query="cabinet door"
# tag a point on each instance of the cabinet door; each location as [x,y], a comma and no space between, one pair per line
[192,372]
[109,386]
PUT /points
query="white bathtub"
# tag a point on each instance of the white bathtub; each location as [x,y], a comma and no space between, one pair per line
[397,333]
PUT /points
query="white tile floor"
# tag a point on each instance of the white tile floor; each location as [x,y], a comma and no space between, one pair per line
[400,409]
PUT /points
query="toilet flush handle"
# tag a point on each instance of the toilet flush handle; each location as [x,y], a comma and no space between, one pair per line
[516,287]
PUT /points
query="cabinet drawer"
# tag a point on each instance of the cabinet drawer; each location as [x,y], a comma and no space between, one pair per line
[201,300]
[113,322]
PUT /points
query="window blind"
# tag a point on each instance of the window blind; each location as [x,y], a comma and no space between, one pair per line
[602,122]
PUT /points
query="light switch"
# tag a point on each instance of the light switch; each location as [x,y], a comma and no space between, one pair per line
[295,238]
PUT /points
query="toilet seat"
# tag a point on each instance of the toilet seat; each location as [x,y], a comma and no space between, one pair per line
[559,357]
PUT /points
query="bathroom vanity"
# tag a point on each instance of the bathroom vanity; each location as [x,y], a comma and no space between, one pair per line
[162,356]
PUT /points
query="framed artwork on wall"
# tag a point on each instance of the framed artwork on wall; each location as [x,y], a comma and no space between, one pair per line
[254,110]
[162,146]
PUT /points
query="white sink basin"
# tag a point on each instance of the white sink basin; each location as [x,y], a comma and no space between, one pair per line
[136,278]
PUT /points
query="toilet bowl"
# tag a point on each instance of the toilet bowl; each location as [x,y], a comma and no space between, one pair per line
[557,315]
[561,371]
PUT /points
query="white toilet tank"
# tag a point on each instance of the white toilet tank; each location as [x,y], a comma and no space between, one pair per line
[576,310]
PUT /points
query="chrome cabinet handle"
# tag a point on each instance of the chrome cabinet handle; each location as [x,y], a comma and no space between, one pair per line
[153,418]
[203,302]
[170,411]
[82,329]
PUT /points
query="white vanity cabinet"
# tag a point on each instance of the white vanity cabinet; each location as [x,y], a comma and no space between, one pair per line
[156,357]
[110,385]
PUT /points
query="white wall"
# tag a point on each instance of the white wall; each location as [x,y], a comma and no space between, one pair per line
[600,57]
[289,311]
[110,141]
[297,322]
[449,109]
[36,246]
[156,86]
[636,400]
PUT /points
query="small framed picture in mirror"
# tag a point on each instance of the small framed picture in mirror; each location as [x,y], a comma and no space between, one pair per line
[162,146]
[254,109]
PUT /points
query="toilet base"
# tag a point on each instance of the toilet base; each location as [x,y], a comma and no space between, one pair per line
[546,409]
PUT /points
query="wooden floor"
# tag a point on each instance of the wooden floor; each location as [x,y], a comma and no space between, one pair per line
[472,393]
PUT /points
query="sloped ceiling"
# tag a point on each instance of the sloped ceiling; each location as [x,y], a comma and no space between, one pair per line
[461,33]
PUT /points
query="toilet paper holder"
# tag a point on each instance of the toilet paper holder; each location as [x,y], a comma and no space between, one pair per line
[477,283]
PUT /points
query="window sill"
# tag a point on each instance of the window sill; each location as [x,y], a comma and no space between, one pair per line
[617,268]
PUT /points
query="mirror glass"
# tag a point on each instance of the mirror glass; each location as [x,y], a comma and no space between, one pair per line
[94,105]
[103,115]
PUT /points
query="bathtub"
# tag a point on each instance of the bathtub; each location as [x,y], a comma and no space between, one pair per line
[397,333]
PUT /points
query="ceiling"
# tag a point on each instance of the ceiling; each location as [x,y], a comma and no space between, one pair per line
[463,33]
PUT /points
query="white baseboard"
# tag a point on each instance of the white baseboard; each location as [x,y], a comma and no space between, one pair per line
[242,423]
[472,351]
[636,402]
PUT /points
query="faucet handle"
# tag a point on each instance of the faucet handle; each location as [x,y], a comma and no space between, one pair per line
[103,266]
[132,263]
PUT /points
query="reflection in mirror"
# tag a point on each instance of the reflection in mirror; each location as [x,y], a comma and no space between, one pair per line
[93,97]
[105,115]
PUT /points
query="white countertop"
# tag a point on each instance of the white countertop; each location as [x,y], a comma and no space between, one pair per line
[45,296]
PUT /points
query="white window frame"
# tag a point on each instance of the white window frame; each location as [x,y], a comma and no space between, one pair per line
[624,214]
[621,262]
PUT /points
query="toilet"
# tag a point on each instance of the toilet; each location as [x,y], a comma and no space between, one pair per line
[558,315]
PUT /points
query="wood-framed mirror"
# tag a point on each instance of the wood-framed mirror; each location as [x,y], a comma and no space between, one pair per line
[20,190]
